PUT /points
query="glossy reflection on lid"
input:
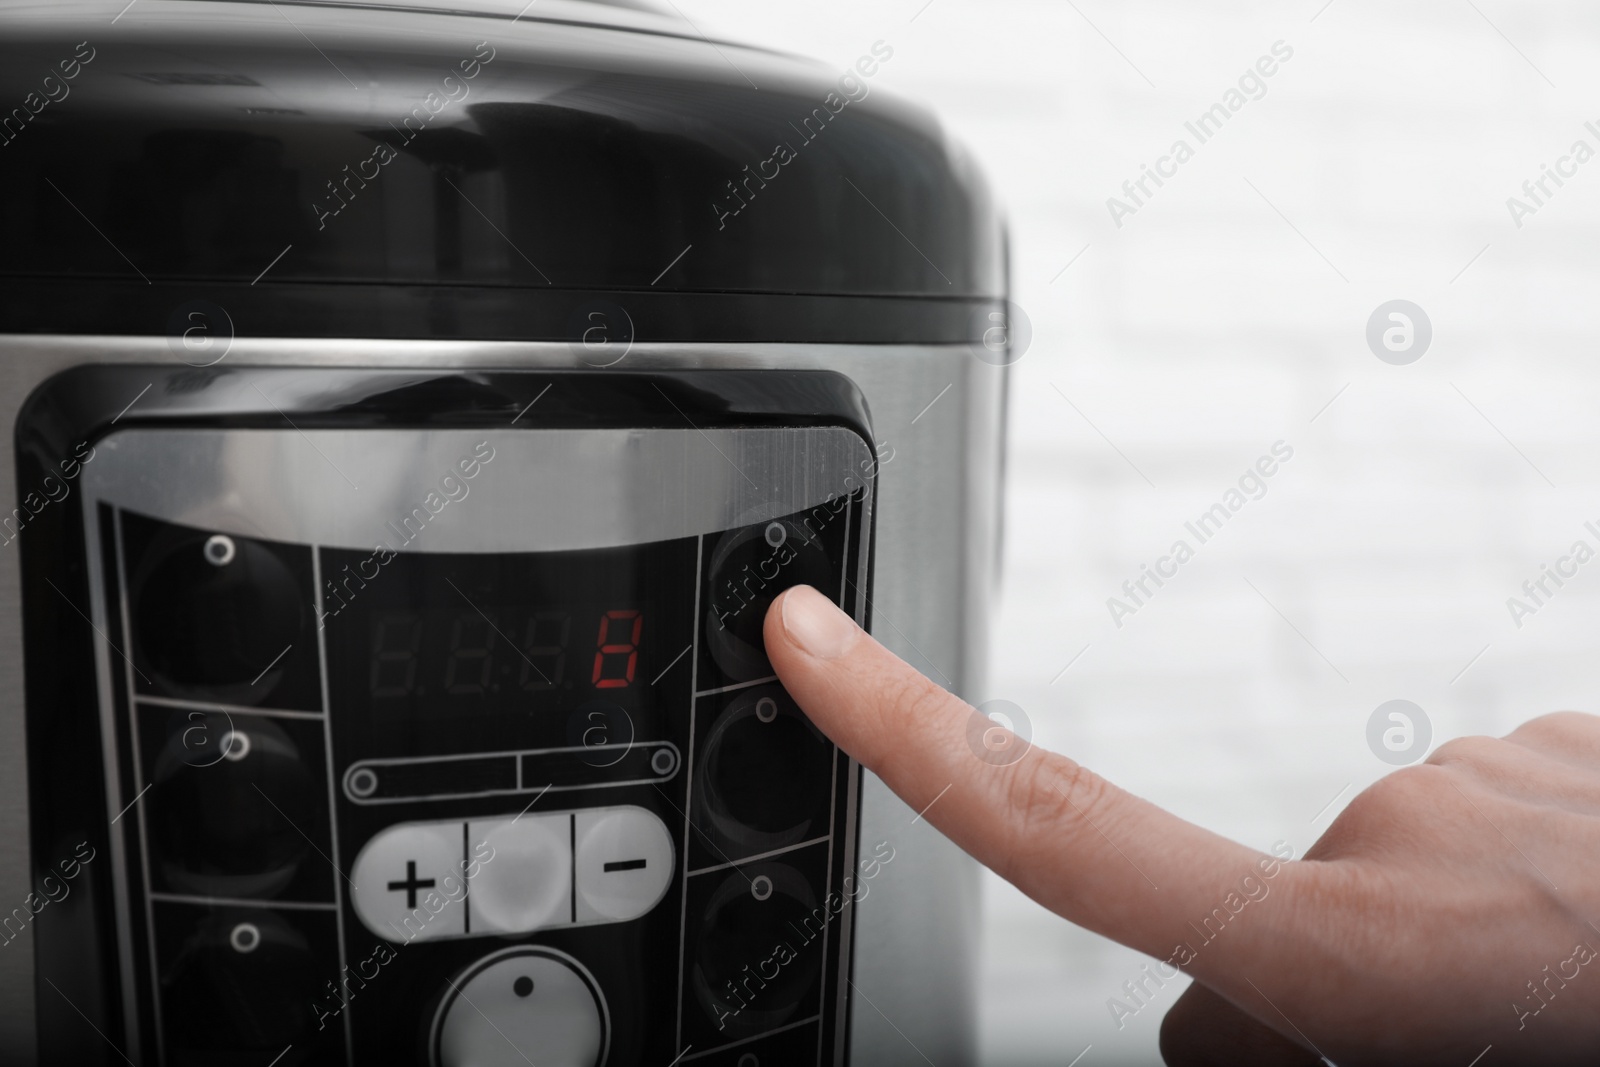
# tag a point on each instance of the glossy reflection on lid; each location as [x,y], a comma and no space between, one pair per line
[572,146]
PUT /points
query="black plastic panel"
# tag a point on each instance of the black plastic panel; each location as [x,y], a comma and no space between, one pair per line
[241,851]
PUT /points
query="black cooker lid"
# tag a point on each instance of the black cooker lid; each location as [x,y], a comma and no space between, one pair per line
[552,145]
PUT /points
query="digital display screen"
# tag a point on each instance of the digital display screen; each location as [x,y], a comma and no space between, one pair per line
[456,652]
[525,648]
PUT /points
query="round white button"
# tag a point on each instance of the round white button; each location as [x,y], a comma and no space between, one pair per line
[520,1006]
[525,880]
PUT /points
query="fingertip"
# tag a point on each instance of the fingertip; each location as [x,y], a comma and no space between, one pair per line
[831,668]
[773,634]
[803,619]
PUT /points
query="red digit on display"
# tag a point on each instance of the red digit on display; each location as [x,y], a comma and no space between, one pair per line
[606,647]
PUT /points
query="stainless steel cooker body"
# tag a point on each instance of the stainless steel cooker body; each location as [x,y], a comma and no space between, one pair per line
[266,268]
[936,529]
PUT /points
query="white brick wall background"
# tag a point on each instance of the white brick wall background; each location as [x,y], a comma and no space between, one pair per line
[1206,329]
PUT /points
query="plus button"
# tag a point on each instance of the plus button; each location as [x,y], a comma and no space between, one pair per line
[399,867]
[411,884]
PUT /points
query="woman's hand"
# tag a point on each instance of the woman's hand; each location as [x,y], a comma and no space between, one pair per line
[1451,909]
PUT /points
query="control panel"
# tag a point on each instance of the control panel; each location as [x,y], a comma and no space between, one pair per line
[459,746]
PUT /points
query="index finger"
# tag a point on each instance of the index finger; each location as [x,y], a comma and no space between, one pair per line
[1072,841]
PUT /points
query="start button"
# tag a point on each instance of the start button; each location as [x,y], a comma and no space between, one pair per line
[520,1006]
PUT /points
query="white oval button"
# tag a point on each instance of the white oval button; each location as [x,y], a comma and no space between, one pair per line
[623,863]
[526,881]
[408,882]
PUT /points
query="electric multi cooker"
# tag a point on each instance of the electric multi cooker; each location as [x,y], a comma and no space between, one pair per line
[413,412]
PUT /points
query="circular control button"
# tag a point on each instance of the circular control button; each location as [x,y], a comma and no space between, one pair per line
[764,779]
[749,568]
[217,618]
[230,826]
[519,1006]
[240,982]
[764,918]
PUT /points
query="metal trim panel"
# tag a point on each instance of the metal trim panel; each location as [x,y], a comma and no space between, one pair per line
[936,516]
[574,488]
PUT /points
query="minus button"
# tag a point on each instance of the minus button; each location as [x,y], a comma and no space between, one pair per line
[623,859]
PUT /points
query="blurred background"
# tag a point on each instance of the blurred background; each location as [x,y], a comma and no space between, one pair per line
[1228,312]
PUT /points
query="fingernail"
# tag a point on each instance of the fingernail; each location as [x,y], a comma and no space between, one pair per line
[813,622]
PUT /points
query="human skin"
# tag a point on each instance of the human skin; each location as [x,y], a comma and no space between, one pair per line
[1452,908]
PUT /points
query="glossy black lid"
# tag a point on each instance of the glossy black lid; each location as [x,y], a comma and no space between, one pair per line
[560,145]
